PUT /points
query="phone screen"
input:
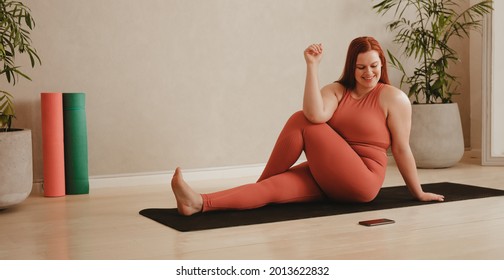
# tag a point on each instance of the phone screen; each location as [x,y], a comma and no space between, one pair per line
[376,222]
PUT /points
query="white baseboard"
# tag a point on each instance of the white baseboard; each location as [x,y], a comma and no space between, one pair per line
[190,175]
[38,187]
[473,153]
[164,177]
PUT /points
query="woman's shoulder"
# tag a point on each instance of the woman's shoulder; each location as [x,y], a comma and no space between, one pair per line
[391,90]
[392,93]
[337,88]
[393,98]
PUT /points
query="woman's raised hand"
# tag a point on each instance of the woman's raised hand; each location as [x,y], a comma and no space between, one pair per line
[313,54]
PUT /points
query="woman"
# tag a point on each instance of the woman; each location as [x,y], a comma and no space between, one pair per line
[344,129]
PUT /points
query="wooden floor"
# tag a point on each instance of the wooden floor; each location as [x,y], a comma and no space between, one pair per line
[106,225]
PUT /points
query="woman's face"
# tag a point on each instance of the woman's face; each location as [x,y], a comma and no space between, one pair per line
[368,69]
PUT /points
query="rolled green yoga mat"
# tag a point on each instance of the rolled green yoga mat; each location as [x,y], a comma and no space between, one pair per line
[76,149]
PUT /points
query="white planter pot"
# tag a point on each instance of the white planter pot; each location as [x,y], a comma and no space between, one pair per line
[16,169]
[436,135]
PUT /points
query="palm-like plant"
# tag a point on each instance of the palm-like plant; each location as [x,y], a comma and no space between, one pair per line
[426,37]
[16,23]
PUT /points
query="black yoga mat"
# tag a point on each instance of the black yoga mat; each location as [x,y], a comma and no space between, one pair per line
[389,197]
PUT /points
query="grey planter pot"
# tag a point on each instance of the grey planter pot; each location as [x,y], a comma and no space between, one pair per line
[16,169]
[436,135]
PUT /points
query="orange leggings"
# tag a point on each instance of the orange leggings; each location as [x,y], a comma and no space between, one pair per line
[333,170]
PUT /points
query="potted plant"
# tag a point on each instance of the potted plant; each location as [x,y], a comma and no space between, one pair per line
[16,170]
[424,30]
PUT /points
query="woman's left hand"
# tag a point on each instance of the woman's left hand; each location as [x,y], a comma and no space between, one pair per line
[426,196]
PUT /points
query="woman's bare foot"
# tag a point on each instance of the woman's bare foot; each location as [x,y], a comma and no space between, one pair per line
[188,201]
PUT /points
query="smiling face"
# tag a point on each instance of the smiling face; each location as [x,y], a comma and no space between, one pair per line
[367,70]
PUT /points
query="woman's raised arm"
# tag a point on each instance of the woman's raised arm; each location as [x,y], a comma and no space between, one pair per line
[318,104]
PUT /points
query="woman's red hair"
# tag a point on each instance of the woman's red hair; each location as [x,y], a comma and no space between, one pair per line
[357,46]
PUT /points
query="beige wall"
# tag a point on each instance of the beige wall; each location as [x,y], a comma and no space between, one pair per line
[194,83]
[497,127]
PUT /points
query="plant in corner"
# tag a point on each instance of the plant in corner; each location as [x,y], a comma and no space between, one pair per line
[426,37]
[16,173]
[424,29]
[15,25]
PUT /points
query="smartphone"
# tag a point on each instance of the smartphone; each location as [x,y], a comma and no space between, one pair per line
[376,222]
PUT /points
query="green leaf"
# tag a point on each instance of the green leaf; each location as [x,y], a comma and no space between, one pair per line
[15,25]
[28,21]
[423,29]
[437,85]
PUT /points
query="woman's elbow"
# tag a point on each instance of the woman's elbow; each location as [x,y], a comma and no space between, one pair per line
[315,118]
[400,150]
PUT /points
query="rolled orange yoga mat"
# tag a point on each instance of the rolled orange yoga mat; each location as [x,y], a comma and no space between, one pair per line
[53,144]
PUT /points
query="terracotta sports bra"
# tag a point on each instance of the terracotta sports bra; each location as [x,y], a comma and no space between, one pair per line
[362,122]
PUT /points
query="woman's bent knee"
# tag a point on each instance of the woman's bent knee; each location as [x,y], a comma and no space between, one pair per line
[298,116]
